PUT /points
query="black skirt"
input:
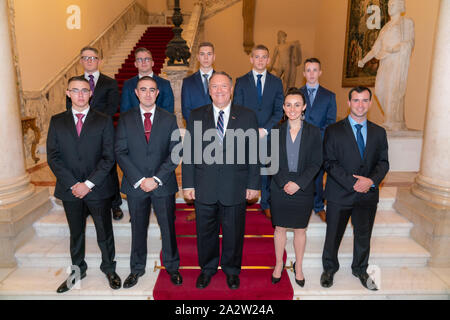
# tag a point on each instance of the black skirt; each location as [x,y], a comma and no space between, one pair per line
[290,211]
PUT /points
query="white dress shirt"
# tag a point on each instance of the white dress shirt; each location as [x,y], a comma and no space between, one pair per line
[88,183]
[149,75]
[208,73]
[137,184]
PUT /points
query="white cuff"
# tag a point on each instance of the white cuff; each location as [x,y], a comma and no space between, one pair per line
[157,180]
[137,184]
[89,184]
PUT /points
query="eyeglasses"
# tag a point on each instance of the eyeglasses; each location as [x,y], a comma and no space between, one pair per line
[143,89]
[91,59]
[141,60]
[77,91]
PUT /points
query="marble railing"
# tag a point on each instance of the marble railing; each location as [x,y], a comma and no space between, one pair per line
[50,100]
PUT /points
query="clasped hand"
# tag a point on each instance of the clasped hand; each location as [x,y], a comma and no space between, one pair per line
[291,188]
[149,184]
[80,190]
[363,184]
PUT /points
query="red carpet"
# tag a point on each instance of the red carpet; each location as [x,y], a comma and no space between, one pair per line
[257,262]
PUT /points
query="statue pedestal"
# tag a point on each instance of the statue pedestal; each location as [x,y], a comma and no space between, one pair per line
[16,223]
[405,148]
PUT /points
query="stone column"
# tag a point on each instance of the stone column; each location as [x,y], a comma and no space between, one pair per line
[427,203]
[176,74]
[20,203]
[14,181]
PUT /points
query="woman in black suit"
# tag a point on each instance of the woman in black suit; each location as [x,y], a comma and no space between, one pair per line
[292,187]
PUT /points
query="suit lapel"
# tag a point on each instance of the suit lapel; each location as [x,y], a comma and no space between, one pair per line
[90,117]
[199,82]
[70,124]
[97,89]
[252,84]
[369,140]
[156,125]
[267,85]
[301,154]
[139,126]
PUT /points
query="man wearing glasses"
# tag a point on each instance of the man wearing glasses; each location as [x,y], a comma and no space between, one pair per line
[80,152]
[144,63]
[105,99]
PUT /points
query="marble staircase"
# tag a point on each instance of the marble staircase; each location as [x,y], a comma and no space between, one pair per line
[404,274]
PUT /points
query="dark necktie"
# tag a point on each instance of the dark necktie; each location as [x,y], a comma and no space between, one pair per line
[79,125]
[259,88]
[360,140]
[147,125]
[91,83]
[205,83]
[220,126]
[311,96]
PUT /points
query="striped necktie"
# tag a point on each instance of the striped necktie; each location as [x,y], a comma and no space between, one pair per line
[220,131]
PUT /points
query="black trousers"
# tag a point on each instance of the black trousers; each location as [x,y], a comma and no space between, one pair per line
[76,214]
[140,216]
[337,218]
[117,199]
[209,219]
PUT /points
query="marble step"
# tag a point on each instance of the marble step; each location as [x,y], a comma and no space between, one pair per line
[41,283]
[387,223]
[385,252]
[395,283]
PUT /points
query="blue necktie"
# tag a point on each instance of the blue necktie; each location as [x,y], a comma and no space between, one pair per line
[205,83]
[219,127]
[259,88]
[311,96]
[360,140]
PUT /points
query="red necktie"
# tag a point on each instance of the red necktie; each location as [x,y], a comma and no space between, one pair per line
[147,125]
[80,122]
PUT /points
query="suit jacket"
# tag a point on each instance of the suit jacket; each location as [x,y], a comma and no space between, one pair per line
[139,159]
[309,159]
[342,160]
[193,94]
[105,97]
[270,110]
[129,99]
[77,159]
[322,112]
[226,183]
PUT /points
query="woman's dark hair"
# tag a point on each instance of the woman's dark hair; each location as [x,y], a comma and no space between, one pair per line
[296,92]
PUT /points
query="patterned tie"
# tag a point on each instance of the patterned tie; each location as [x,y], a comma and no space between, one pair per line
[80,117]
[259,88]
[360,140]
[205,83]
[91,83]
[219,127]
[147,125]
[311,96]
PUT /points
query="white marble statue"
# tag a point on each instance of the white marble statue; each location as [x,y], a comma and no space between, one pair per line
[393,48]
[286,57]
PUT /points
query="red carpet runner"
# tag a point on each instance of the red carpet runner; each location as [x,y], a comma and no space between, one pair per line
[257,256]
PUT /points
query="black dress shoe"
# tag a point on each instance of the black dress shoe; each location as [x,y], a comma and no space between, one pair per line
[64,287]
[176,278]
[366,281]
[301,283]
[276,280]
[114,280]
[203,280]
[326,280]
[131,280]
[233,281]
[117,213]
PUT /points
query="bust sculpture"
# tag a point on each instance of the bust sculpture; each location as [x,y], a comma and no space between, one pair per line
[393,48]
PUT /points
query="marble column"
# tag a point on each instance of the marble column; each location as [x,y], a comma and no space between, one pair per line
[176,74]
[427,203]
[14,181]
[20,203]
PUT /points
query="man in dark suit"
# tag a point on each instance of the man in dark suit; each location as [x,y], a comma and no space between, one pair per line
[80,149]
[144,63]
[261,92]
[220,188]
[321,112]
[356,161]
[143,150]
[105,99]
[194,90]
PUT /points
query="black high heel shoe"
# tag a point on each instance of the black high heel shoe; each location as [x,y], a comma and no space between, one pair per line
[276,280]
[301,283]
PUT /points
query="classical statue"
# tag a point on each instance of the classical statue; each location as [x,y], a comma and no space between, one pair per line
[286,57]
[393,48]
